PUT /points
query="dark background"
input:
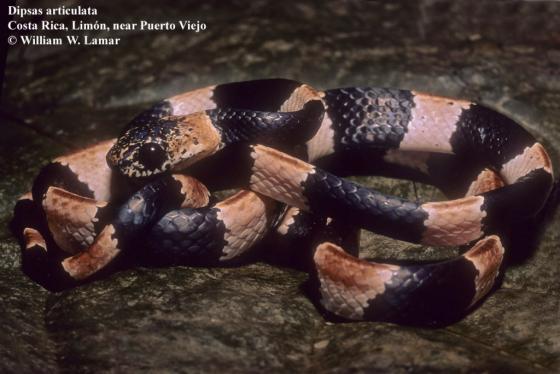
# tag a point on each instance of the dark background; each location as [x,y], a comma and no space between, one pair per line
[505,54]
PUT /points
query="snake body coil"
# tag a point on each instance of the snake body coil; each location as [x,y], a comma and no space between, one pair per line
[283,141]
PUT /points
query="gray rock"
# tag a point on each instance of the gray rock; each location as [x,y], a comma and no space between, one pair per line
[256,317]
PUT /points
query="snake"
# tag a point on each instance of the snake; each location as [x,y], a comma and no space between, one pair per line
[288,148]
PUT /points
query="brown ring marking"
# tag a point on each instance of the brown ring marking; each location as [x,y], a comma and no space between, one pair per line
[198,138]
[486,256]
[103,250]
[287,220]
[195,192]
[347,283]
[71,218]
[453,222]
[299,97]
[247,217]
[487,180]
[90,167]
[532,158]
[279,176]
[433,122]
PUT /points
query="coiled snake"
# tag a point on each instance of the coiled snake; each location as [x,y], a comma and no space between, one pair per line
[283,142]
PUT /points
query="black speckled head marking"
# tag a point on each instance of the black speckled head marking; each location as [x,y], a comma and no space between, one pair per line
[169,143]
[159,110]
[142,149]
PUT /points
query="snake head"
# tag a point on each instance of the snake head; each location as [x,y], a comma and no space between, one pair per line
[163,144]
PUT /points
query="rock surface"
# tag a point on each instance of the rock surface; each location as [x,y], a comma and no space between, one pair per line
[256,317]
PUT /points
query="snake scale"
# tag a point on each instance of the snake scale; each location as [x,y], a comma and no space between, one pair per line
[288,147]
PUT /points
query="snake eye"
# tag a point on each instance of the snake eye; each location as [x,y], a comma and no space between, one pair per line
[152,156]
